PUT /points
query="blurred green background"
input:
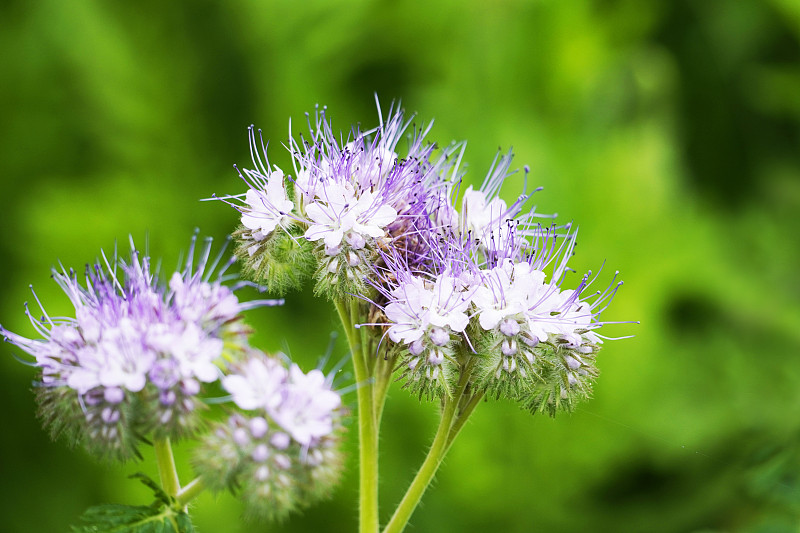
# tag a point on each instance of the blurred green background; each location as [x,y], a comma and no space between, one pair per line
[669,131]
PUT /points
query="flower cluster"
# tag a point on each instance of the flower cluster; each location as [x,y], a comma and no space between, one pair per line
[136,355]
[459,280]
[283,443]
[462,294]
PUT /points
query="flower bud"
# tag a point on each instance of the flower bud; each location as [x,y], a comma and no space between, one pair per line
[439,336]
[416,347]
[280,440]
[333,265]
[113,395]
[258,427]
[355,240]
[260,453]
[240,437]
[509,347]
[353,259]
[509,327]
[435,357]
[509,365]
[572,362]
[167,397]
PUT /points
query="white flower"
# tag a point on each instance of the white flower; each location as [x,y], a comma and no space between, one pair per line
[118,359]
[508,290]
[307,410]
[337,212]
[568,315]
[418,304]
[479,217]
[259,385]
[268,207]
[195,353]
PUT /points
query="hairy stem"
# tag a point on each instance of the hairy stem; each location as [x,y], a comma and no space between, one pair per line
[167,471]
[190,492]
[441,443]
[367,428]
[383,378]
[462,416]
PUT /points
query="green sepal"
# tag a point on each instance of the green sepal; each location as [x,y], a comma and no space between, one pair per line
[62,414]
[420,380]
[554,392]
[163,516]
[224,465]
[182,424]
[336,279]
[217,459]
[282,262]
[489,373]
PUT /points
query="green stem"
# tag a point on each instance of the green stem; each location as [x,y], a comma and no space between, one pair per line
[383,379]
[367,429]
[190,492]
[441,443]
[166,467]
[462,417]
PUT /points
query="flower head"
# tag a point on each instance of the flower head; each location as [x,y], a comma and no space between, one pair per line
[281,451]
[137,351]
[486,279]
[349,199]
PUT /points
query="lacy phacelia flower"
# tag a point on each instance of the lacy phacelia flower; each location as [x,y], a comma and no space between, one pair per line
[309,408]
[534,340]
[135,356]
[537,342]
[427,315]
[349,199]
[337,214]
[448,265]
[282,452]
[267,207]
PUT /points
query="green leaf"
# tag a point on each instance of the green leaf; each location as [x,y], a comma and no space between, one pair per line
[163,516]
[158,492]
[114,518]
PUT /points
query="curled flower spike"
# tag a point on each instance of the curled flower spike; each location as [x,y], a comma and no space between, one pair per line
[346,201]
[135,356]
[536,341]
[281,451]
[426,315]
[494,268]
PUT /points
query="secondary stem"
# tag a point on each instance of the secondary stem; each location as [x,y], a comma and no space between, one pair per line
[441,443]
[190,492]
[461,418]
[166,467]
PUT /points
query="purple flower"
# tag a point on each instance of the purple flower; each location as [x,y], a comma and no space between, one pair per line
[488,269]
[302,405]
[350,198]
[281,451]
[309,409]
[133,336]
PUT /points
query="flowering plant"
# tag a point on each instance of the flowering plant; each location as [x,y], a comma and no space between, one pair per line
[456,294]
